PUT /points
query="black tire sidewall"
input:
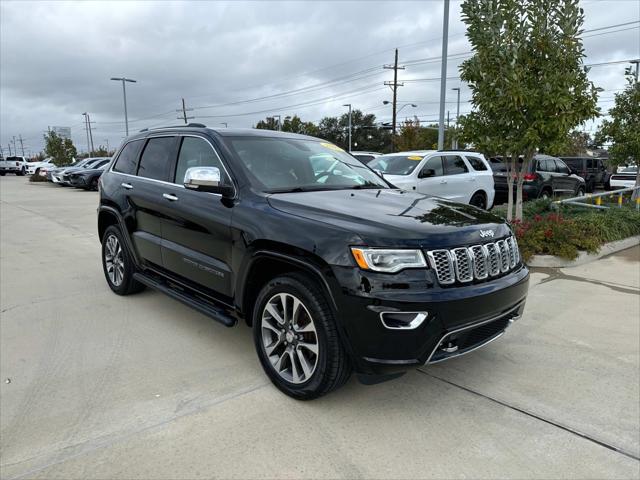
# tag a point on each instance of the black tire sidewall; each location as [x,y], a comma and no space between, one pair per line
[125,286]
[288,284]
[482,200]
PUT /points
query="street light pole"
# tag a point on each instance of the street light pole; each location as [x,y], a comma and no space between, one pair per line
[349,105]
[455,142]
[443,73]
[636,63]
[124,94]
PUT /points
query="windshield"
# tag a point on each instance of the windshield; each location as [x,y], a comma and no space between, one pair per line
[396,164]
[630,170]
[278,165]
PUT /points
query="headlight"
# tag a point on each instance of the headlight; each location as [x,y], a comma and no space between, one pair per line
[385,260]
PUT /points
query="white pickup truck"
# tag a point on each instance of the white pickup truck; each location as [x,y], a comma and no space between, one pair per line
[16,165]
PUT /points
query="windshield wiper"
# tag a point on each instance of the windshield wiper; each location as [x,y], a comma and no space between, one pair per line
[367,187]
[297,189]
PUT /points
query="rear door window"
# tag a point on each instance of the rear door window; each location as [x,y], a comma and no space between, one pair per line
[127,161]
[454,165]
[157,159]
[476,163]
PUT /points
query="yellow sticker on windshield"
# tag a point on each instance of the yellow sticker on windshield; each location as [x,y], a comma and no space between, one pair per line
[414,157]
[331,146]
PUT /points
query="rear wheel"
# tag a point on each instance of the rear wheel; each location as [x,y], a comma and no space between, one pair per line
[94,184]
[546,194]
[117,263]
[479,200]
[22,172]
[591,185]
[296,338]
[2,174]
[580,192]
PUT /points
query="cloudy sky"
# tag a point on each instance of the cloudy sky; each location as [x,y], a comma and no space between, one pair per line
[238,62]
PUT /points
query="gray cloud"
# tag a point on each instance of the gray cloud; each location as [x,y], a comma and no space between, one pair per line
[56,60]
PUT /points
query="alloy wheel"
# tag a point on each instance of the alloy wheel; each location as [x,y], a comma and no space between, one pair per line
[114,260]
[289,338]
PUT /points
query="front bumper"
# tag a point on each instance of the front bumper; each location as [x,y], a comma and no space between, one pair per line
[459,320]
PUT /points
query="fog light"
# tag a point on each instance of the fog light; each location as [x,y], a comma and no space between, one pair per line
[403,320]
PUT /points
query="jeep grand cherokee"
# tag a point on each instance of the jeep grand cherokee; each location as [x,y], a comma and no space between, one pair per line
[334,268]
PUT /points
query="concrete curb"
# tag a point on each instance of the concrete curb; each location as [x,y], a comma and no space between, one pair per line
[583,257]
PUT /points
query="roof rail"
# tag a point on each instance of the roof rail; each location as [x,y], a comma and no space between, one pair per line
[191,125]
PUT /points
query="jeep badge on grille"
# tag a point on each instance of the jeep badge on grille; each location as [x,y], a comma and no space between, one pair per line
[486,233]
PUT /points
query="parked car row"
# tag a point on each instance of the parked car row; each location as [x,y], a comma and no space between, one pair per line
[81,174]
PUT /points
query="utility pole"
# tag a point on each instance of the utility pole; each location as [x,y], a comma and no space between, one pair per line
[394,86]
[90,133]
[15,150]
[455,144]
[636,63]
[9,145]
[21,144]
[87,127]
[443,73]
[184,111]
[279,121]
[107,141]
[349,105]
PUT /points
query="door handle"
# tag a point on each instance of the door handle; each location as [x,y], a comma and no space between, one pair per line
[443,181]
[128,186]
[168,196]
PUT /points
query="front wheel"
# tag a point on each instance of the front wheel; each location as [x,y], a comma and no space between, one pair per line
[580,192]
[22,172]
[296,338]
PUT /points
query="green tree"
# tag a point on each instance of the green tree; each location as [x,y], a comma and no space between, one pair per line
[409,137]
[623,129]
[60,149]
[527,78]
[577,143]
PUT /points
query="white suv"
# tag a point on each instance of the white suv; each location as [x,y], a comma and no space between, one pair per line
[459,176]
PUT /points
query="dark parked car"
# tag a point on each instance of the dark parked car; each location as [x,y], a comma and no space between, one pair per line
[546,177]
[87,178]
[334,270]
[592,170]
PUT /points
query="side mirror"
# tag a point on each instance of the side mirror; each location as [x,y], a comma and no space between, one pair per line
[206,179]
[427,172]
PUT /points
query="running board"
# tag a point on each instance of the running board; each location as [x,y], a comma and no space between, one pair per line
[207,308]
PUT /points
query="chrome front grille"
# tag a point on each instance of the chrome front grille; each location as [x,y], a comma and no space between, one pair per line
[477,262]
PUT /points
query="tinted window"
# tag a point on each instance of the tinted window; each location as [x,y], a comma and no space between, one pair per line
[128,158]
[365,158]
[396,164]
[476,163]
[561,167]
[591,163]
[454,165]
[435,164]
[156,158]
[575,163]
[196,152]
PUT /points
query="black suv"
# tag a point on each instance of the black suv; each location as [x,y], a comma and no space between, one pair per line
[592,170]
[334,268]
[546,177]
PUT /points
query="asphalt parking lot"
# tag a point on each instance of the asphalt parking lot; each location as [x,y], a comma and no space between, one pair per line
[100,386]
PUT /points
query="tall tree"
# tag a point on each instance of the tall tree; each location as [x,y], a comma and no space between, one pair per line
[528,82]
[623,129]
[60,149]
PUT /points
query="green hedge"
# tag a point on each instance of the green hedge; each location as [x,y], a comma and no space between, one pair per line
[565,232]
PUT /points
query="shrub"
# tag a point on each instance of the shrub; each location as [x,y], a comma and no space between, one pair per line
[37,178]
[567,232]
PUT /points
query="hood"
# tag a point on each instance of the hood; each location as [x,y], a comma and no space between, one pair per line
[392,217]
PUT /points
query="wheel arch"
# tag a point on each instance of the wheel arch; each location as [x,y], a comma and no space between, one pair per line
[270,260]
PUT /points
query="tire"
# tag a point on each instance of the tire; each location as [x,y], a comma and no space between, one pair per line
[591,186]
[22,172]
[546,194]
[117,263]
[3,174]
[479,200]
[313,325]
[93,185]
[580,192]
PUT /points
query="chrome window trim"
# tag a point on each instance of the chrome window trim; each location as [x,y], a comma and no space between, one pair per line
[111,170]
